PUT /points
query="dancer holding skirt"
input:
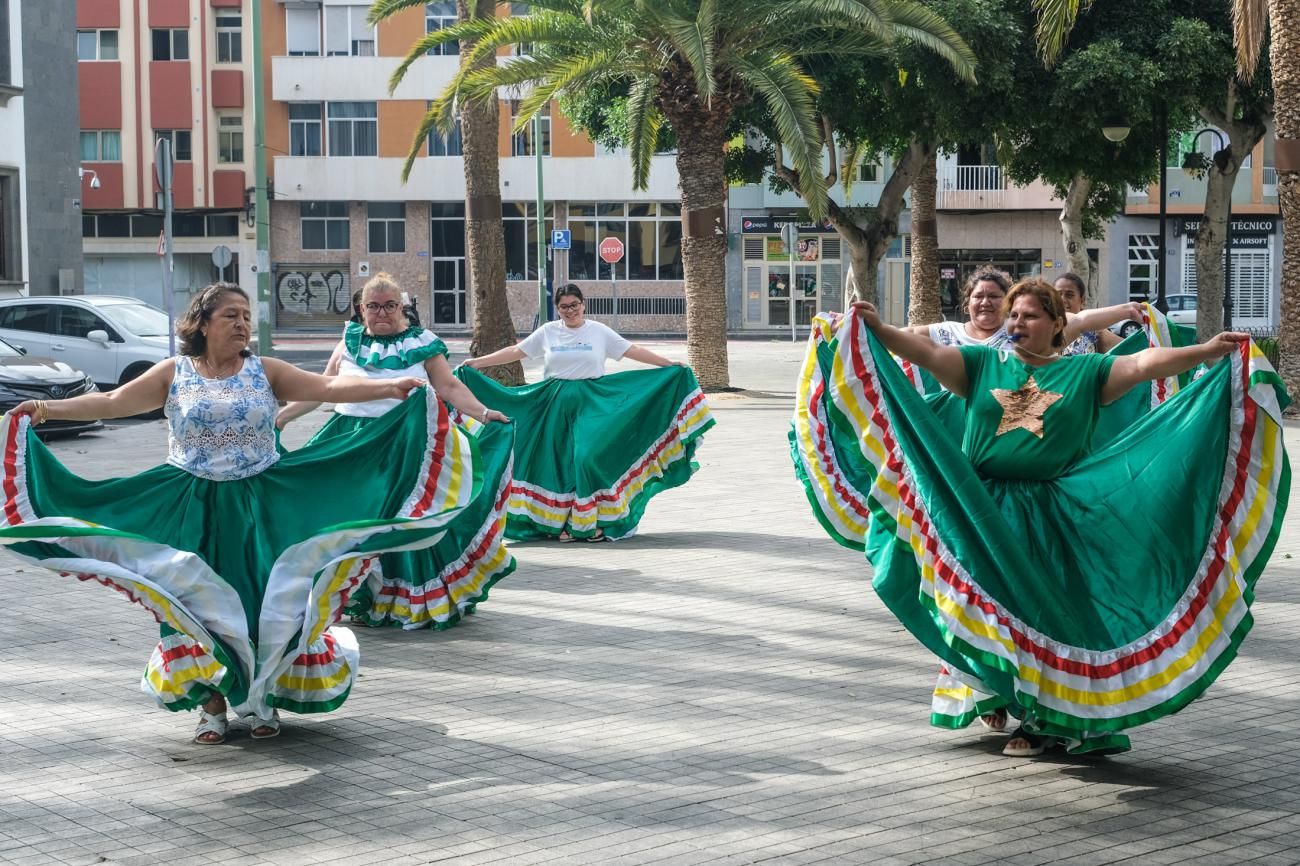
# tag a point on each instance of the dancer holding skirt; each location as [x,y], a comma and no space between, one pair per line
[245,557]
[1085,590]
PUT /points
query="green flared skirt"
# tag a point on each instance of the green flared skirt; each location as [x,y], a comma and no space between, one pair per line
[1086,604]
[590,453]
[247,577]
[434,587]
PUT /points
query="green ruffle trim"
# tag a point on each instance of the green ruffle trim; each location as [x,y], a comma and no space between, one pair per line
[396,352]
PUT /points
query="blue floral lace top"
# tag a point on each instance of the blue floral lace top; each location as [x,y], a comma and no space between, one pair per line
[221,429]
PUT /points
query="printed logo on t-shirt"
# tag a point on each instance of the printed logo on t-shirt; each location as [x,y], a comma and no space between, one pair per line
[573,347]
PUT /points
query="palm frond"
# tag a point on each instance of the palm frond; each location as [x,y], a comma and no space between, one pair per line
[427,123]
[1249,26]
[551,78]
[789,95]
[1055,21]
[645,122]
[932,32]
[381,9]
[853,156]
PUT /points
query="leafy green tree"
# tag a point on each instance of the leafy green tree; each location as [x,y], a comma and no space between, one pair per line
[688,64]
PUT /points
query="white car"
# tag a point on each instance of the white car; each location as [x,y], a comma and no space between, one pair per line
[112,339]
[1182,309]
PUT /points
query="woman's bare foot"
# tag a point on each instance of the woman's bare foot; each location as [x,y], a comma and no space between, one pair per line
[212,724]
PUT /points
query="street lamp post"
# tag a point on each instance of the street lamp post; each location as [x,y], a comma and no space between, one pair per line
[1117,131]
[1195,163]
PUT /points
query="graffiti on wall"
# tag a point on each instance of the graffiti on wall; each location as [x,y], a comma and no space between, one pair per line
[311,295]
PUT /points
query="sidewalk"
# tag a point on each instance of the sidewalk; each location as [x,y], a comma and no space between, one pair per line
[722,689]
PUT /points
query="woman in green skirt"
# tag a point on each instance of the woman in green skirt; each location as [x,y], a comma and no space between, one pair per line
[436,586]
[244,556]
[1086,590]
[591,450]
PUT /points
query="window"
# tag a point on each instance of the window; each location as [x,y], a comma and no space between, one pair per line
[520,222]
[324,225]
[97,45]
[148,226]
[448,145]
[182,141]
[11,266]
[436,17]
[346,32]
[230,38]
[521,143]
[171,44]
[101,145]
[353,128]
[651,234]
[304,129]
[302,36]
[78,322]
[868,172]
[447,230]
[28,317]
[230,138]
[524,49]
[1142,267]
[386,226]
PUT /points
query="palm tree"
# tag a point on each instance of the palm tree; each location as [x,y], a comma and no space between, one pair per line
[485,241]
[1251,19]
[690,63]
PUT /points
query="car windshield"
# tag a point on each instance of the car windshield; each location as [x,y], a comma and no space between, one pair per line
[140,319]
[8,351]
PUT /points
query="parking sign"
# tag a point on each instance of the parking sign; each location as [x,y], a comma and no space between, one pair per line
[561,239]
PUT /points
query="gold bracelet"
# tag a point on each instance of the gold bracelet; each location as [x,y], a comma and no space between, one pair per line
[38,417]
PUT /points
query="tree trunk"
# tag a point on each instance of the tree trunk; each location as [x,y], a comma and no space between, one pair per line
[1211,262]
[869,242]
[701,177]
[485,241]
[924,306]
[1284,20]
[1072,239]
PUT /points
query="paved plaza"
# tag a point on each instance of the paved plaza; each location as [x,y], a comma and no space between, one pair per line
[724,689]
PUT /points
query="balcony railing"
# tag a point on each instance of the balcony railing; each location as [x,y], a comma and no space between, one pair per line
[963,186]
[1270,180]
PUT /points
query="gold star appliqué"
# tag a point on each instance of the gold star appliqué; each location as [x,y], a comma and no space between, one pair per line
[1023,408]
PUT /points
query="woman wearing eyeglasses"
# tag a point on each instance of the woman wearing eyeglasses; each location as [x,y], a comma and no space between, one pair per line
[591,449]
[436,586]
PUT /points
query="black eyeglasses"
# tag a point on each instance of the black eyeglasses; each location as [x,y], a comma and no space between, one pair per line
[390,307]
[572,306]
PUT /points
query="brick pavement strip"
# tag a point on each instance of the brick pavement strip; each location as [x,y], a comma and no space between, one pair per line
[722,689]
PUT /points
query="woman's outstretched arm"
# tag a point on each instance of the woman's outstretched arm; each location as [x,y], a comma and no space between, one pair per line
[1159,362]
[945,362]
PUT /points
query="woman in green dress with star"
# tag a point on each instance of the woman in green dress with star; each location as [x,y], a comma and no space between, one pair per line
[1031,562]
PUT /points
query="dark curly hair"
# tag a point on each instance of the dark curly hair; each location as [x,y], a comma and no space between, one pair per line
[189,327]
[987,274]
[1048,298]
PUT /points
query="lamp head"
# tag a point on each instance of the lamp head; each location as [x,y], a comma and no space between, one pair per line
[1115,131]
[94,182]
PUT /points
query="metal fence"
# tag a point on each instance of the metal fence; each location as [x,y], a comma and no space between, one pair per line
[1266,339]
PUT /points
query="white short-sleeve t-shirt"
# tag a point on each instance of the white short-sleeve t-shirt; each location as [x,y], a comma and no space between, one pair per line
[574,353]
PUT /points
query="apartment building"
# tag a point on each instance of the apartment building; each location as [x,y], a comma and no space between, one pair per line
[341,213]
[178,70]
[40,242]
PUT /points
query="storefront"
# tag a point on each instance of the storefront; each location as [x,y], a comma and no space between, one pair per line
[1254,258]
[811,276]
[956,266]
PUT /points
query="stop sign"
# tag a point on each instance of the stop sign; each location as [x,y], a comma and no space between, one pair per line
[611,250]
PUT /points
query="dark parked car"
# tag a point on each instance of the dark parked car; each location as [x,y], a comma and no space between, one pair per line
[23,377]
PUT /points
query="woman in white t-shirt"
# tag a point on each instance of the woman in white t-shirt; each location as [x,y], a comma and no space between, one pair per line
[573,347]
[591,449]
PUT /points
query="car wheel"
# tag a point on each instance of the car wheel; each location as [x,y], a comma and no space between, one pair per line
[1129,329]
